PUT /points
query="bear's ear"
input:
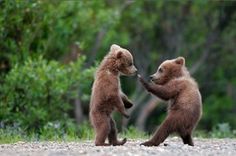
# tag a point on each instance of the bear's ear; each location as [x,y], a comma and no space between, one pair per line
[180,60]
[119,54]
[114,47]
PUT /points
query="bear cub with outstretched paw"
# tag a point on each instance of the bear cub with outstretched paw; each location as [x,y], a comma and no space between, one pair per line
[107,95]
[172,82]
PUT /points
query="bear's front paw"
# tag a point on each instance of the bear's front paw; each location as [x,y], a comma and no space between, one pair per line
[128,104]
[143,82]
[141,79]
[125,115]
[148,143]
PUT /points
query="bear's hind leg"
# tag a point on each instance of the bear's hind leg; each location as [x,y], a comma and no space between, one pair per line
[102,129]
[112,136]
[166,128]
[187,139]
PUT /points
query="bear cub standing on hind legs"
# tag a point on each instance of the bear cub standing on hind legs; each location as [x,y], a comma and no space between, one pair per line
[107,95]
[173,82]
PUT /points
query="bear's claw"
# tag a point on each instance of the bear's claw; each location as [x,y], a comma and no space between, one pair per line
[148,143]
[119,143]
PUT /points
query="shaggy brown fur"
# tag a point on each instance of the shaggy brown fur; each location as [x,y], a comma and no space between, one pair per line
[107,95]
[173,82]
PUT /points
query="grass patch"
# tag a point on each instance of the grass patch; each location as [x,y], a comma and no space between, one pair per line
[9,136]
[86,132]
[47,133]
[221,130]
[134,133]
[50,133]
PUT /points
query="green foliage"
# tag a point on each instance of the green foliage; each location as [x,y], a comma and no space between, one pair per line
[48,28]
[53,132]
[223,130]
[57,131]
[35,95]
[86,131]
[219,105]
[133,133]
[10,135]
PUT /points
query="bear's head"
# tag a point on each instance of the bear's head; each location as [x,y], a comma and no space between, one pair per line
[123,60]
[168,70]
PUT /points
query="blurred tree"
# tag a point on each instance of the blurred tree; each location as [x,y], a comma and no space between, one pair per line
[201,31]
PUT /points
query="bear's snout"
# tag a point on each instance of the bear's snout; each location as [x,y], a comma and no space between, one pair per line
[135,70]
[152,77]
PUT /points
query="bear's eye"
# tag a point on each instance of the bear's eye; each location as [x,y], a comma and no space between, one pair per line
[130,64]
[160,70]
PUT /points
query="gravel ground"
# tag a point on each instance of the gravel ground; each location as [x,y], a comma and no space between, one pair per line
[175,147]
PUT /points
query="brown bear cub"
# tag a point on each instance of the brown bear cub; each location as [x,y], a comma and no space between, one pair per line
[107,95]
[173,82]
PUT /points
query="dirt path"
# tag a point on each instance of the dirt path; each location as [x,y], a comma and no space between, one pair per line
[202,147]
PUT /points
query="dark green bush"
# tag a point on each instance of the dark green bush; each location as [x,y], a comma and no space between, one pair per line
[48,28]
[35,95]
